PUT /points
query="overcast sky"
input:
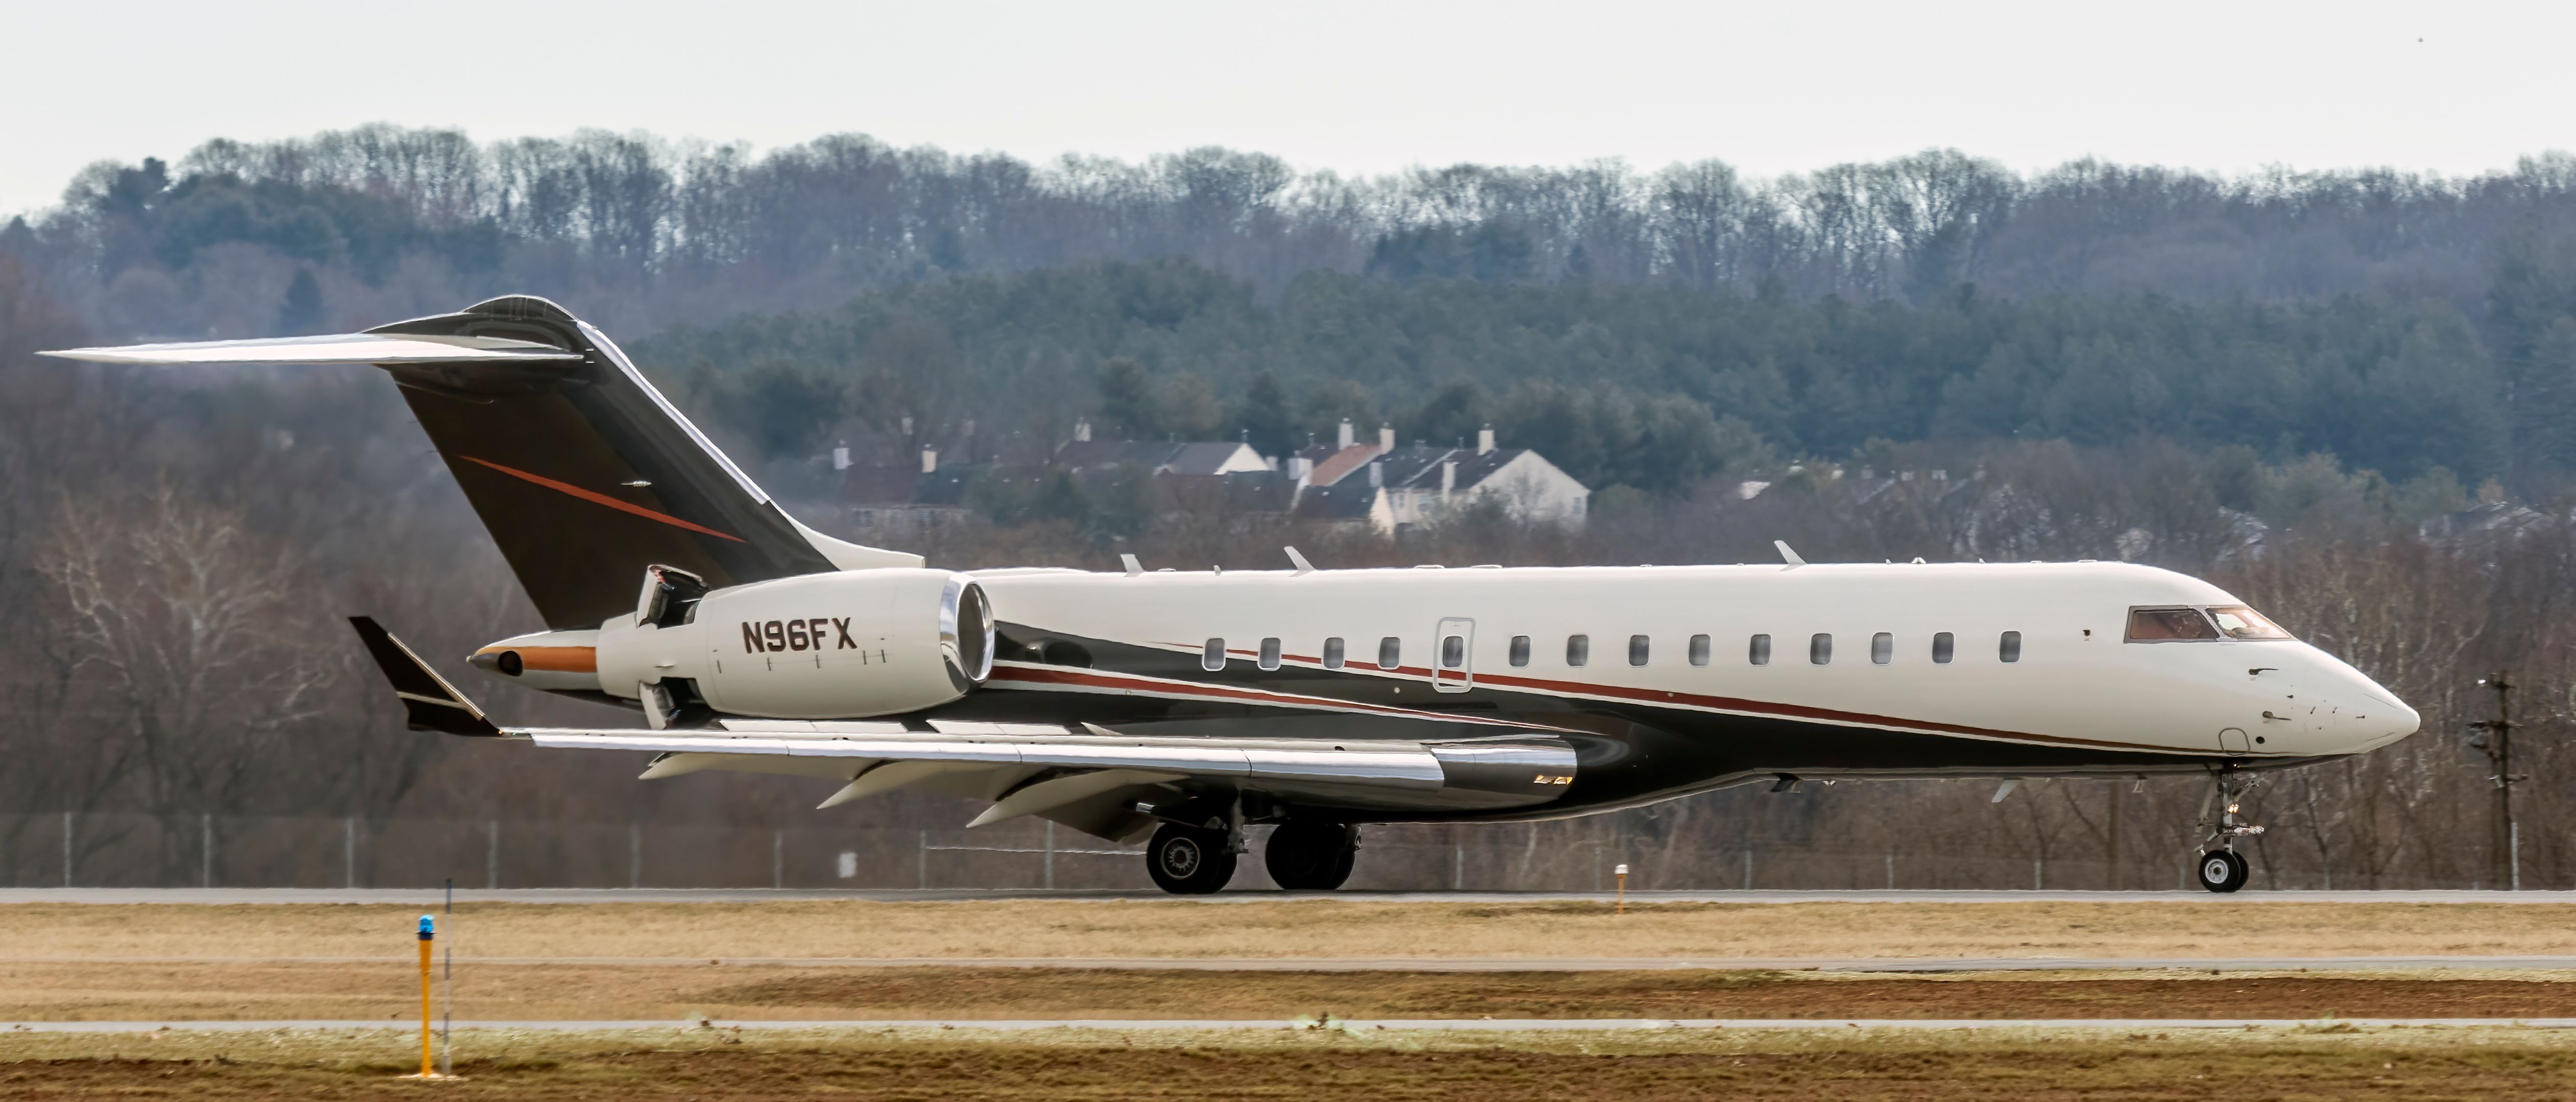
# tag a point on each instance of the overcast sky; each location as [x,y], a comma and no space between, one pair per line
[1358,87]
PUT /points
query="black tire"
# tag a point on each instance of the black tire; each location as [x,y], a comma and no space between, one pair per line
[2223,870]
[1309,856]
[1188,860]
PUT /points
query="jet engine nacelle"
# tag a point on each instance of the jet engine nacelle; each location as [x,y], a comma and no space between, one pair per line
[820,646]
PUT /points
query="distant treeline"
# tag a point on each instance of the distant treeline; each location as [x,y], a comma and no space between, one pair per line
[635,229]
[1647,385]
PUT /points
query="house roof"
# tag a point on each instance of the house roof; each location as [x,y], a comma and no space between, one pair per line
[1173,457]
[1418,467]
[878,485]
[1352,502]
[890,486]
[1332,464]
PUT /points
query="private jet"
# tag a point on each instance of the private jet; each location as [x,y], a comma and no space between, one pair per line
[1182,706]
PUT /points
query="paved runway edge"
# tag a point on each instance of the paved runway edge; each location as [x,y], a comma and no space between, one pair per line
[1357,1025]
[419,896]
[1937,965]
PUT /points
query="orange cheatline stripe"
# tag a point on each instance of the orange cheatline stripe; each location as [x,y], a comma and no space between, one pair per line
[603,499]
[553,659]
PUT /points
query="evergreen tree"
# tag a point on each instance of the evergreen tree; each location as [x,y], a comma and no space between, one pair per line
[1266,418]
[303,311]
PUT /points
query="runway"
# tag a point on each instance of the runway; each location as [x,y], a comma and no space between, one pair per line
[425,896]
[1452,1025]
[1471,965]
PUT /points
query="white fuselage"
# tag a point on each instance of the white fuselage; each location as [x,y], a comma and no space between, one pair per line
[2075,681]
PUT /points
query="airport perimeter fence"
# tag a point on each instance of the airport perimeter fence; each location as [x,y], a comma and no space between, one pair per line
[74,850]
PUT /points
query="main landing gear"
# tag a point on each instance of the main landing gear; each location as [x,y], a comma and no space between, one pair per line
[1305,855]
[1187,860]
[1197,848]
[2221,868]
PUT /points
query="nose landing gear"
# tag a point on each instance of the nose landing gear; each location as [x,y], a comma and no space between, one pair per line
[2221,868]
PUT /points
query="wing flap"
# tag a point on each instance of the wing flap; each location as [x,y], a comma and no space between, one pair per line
[1388,764]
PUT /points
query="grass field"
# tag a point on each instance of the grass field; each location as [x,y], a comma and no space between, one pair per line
[741,960]
[1297,928]
[388,990]
[1326,1065]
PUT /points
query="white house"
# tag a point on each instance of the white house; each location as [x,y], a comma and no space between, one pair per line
[1419,484]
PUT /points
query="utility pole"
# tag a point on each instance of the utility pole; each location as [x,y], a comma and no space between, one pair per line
[2497,741]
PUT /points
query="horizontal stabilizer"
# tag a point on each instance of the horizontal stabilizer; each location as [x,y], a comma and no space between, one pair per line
[339,348]
[429,702]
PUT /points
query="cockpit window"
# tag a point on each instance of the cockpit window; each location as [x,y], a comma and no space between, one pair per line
[2160,625]
[2240,622]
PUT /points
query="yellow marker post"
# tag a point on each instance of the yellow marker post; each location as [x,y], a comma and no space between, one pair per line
[428,931]
[1623,887]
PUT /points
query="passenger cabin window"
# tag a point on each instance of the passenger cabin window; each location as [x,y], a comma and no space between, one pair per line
[1944,647]
[1453,652]
[1390,653]
[2010,649]
[2169,625]
[1820,649]
[1638,648]
[1578,649]
[2240,622]
[1699,650]
[1212,658]
[1760,652]
[1333,653]
[1520,650]
[1882,648]
[1270,653]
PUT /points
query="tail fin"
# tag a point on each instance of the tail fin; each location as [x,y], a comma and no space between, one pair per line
[584,474]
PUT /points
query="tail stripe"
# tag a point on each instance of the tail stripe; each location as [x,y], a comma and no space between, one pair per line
[602,499]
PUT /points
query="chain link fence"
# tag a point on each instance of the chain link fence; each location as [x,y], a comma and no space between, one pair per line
[100,850]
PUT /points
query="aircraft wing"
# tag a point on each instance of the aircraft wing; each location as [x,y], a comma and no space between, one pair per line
[341,348]
[1080,774]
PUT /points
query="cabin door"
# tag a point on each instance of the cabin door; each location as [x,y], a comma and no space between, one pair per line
[1453,656]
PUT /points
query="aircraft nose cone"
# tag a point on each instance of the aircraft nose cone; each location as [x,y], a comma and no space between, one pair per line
[2380,719]
[2403,722]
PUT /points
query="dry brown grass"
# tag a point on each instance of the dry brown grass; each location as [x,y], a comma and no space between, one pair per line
[292,992]
[2508,1065]
[1299,929]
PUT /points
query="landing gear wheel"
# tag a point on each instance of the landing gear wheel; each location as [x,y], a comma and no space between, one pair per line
[2222,870]
[1188,860]
[1309,856]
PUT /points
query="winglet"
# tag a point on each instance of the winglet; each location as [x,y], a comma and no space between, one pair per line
[1299,561]
[1788,556]
[429,702]
[1134,569]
